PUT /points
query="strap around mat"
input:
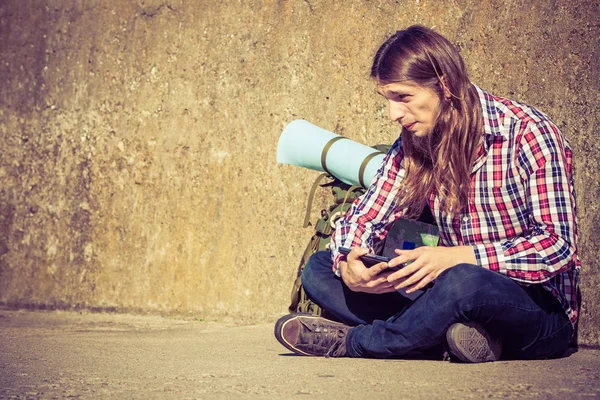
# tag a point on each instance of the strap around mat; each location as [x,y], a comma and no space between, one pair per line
[363,166]
[325,150]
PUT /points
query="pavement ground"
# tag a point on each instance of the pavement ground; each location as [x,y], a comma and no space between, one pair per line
[59,354]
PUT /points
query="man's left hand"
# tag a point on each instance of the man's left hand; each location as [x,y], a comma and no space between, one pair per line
[427,264]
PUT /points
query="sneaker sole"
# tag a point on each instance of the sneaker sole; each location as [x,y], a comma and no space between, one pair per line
[471,344]
[279,327]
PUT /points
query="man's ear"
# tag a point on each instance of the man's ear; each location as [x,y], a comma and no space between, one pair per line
[446,91]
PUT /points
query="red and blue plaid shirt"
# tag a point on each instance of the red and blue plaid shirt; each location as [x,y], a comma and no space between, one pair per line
[521,219]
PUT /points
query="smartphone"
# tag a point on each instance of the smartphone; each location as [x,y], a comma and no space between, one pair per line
[368,259]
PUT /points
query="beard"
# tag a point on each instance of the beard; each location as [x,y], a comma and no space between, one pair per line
[424,147]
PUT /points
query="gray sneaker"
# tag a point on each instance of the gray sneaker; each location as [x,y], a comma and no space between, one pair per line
[309,335]
[470,343]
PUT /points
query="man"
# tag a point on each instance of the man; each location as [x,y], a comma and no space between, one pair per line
[497,175]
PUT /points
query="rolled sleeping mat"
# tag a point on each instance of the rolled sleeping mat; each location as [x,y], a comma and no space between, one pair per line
[306,145]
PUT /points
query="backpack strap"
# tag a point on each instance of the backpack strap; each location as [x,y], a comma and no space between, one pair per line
[312,247]
[311,196]
[351,189]
[339,214]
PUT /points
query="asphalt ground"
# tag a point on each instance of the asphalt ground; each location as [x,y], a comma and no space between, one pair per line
[72,355]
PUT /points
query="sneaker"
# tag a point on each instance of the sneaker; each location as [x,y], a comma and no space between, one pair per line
[470,343]
[310,335]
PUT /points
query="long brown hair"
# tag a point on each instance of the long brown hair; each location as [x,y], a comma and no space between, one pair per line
[443,160]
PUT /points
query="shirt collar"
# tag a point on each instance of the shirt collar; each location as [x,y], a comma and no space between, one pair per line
[492,114]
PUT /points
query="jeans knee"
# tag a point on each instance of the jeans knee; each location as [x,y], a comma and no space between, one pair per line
[461,272]
[464,280]
[317,266]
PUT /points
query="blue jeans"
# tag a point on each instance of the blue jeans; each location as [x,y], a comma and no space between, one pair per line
[527,319]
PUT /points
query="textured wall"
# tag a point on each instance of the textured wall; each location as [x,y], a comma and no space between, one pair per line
[137,138]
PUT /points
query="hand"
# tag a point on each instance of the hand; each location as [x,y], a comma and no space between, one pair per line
[427,264]
[359,278]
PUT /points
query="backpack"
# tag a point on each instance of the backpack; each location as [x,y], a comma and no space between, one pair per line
[343,197]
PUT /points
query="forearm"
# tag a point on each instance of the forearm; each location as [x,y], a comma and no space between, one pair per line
[367,221]
[531,259]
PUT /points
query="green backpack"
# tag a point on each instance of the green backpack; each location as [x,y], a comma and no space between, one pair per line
[343,197]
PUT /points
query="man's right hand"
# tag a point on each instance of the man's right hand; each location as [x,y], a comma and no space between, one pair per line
[359,278]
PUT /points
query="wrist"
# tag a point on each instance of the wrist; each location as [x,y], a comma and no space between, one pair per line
[464,255]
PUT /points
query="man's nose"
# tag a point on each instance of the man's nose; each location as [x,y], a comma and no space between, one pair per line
[396,111]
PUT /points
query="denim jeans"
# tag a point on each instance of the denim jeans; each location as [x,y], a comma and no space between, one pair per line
[527,319]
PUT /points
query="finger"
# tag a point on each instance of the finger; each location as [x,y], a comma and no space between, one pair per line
[357,252]
[385,273]
[394,278]
[377,269]
[356,265]
[416,251]
[412,280]
[406,271]
[343,265]
[424,282]
[383,287]
[401,273]
[409,254]
[398,261]
[379,282]
[403,255]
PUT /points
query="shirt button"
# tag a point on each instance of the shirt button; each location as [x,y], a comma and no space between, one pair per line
[465,219]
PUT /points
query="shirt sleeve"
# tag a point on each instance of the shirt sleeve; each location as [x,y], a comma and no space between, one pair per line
[544,162]
[367,222]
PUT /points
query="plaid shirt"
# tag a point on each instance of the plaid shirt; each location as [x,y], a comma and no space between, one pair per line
[521,219]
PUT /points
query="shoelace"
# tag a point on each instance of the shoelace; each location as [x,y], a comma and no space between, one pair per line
[325,336]
[337,350]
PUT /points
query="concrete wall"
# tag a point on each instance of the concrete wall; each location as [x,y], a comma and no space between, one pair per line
[138,138]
